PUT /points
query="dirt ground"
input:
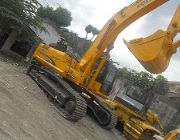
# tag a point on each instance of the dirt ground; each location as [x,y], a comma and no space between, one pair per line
[26,113]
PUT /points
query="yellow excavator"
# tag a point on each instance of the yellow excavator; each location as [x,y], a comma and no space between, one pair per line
[73,84]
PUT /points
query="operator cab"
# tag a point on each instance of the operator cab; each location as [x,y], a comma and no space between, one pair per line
[128,95]
[107,77]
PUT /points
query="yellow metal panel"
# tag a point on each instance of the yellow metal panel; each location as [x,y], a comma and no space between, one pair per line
[175,22]
[59,61]
[172,135]
[153,52]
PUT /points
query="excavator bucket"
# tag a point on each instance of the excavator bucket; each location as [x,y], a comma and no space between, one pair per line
[153,52]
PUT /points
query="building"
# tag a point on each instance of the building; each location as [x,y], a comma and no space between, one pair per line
[168,107]
[9,42]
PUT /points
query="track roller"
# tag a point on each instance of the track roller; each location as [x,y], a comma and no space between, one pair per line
[104,116]
[75,110]
[112,122]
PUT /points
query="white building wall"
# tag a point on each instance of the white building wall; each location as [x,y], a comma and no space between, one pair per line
[51,37]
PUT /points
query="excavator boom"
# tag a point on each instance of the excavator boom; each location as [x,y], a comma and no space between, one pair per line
[113,27]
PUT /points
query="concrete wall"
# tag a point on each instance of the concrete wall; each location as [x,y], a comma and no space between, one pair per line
[51,37]
[174,87]
[168,107]
[79,45]
[9,41]
[168,111]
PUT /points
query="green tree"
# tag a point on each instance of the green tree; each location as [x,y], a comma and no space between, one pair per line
[123,73]
[21,16]
[143,80]
[161,85]
[95,31]
[88,30]
[45,12]
[62,17]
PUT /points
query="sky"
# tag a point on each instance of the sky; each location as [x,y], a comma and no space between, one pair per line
[98,12]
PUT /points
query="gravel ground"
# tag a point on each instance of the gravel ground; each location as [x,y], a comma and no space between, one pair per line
[26,113]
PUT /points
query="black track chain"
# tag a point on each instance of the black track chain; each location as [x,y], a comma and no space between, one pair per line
[113,118]
[81,106]
[112,123]
[79,111]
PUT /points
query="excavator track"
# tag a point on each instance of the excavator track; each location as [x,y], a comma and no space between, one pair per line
[112,123]
[72,105]
[79,111]
[104,116]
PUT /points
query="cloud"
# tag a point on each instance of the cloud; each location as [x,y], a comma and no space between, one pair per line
[84,12]
[158,18]
[98,12]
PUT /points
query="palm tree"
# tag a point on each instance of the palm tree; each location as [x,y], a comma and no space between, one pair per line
[95,31]
[88,30]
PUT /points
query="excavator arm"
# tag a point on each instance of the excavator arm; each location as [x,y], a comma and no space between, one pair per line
[113,27]
[177,44]
[155,51]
